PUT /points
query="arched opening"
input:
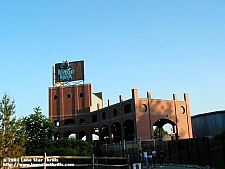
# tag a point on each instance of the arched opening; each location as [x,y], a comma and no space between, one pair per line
[69,122]
[74,136]
[169,128]
[104,135]
[128,127]
[69,134]
[82,135]
[95,136]
[116,132]
[56,123]
[165,129]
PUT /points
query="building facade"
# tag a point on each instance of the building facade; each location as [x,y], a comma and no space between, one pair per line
[75,109]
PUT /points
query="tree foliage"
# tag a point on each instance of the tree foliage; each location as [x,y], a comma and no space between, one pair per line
[70,146]
[40,132]
[12,131]
[157,134]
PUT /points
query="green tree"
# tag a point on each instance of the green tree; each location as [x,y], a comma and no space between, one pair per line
[157,130]
[12,131]
[40,132]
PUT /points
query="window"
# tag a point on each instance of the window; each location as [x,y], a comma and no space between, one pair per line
[182,110]
[103,115]
[69,121]
[81,94]
[115,112]
[127,108]
[82,121]
[144,108]
[68,96]
[94,118]
[56,123]
[55,97]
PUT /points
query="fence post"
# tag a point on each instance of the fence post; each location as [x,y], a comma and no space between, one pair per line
[223,148]
[199,161]
[209,152]
[189,161]
[124,148]
[93,161]
[169,147]
[45,157]
[179,151]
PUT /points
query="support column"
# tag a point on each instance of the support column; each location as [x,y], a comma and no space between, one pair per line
[150,119]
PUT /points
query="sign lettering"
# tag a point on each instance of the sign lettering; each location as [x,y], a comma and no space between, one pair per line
[69,71]
[34,162]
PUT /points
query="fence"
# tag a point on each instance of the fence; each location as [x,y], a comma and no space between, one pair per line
[198,151]
[127,149]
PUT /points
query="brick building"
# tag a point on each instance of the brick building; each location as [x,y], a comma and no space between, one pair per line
[75,109]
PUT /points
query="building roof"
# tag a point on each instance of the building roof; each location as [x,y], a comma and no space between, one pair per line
[208,114]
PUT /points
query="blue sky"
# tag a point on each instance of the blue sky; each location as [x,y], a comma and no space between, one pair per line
[164,47]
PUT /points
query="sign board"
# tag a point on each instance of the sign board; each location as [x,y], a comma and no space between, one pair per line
[69,71]
[136,165]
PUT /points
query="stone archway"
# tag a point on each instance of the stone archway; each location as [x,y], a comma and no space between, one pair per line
[161,122]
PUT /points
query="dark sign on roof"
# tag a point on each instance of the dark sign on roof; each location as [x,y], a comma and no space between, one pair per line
[69,71]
